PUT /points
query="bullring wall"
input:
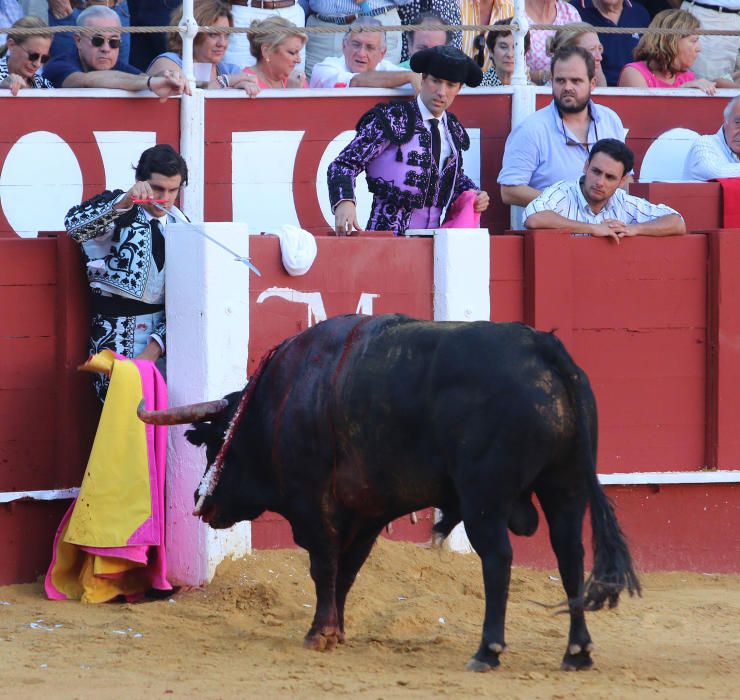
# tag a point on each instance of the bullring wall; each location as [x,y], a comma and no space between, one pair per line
[654,323]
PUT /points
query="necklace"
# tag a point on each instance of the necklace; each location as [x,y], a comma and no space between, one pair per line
[270,82]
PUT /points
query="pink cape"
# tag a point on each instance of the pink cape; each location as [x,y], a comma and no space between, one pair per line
[145,548]
[460,214]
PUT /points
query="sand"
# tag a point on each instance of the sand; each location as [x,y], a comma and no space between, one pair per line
[413,620]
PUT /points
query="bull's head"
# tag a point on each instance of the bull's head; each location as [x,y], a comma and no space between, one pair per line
[222,505]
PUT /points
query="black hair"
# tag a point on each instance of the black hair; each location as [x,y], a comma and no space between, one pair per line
[162,159]
[431,17]
[568,52]
[492,36]
[616,150]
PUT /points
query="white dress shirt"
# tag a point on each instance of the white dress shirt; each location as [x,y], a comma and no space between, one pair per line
[446,146]
[566,198]
[710,157]
[334,72]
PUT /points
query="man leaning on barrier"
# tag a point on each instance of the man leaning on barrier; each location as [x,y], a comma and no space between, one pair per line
[595,205]
[363,62]
[411,152]
[717,155]
[96,63]
[340,14]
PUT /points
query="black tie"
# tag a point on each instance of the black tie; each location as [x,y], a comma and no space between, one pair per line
[157,243]
[436,141]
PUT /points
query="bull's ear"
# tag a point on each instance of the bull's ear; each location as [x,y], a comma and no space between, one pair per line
[200,434]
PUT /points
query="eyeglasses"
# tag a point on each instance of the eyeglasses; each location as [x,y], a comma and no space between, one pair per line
[479,44]
[98,41]
[583,144]
[35,56]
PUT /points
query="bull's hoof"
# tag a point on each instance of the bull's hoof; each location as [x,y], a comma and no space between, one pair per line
[577,658]
[325,639]
[487,658]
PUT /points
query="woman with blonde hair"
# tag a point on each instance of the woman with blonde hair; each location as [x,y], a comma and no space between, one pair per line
[24,54]
[664,60]
[583,35]
[208,50]
[276,44]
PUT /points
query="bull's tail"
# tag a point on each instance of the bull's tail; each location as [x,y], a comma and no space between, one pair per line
[613,570]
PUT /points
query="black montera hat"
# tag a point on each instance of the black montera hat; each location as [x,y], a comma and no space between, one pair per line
[448,63]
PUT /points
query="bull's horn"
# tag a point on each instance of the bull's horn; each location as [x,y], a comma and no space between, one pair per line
[182,414]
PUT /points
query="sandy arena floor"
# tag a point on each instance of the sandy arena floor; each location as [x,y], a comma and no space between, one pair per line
[414,618]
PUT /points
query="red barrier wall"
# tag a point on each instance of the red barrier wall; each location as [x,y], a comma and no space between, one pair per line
[654,322]
[48,412]
[344,269]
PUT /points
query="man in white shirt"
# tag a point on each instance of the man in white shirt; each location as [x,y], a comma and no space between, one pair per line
[363,62]
[720,55]
[718,155]
[596,206]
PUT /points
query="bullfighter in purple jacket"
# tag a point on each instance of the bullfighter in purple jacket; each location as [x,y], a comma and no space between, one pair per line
[411,152]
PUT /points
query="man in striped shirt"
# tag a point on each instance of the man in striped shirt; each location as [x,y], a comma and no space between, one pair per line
[596,205]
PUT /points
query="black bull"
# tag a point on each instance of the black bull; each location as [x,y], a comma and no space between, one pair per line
[359,420]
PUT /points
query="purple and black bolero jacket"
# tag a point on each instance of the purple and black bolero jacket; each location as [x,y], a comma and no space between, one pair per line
[395,149]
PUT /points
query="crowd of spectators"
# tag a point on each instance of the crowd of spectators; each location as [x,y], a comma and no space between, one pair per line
[550,146]
[683,60]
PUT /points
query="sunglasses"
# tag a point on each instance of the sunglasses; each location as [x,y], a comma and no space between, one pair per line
[35,56]
[98,41]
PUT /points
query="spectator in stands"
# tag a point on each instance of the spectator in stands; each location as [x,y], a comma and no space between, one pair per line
[96,63]
[545,12]
[447,10]
[23,55]
[36,8]
[411,152]
[246,12]
[276,48]
[207,49]
[426,38]
[343,13]
[363,62]
[583,35]
[618,48]
[720,55]
[482,12]
[65,13]
[10,12]
[128,303]
[664,60]
[501,48]
[718,155]
[596,205]
[149,13]
[552,144]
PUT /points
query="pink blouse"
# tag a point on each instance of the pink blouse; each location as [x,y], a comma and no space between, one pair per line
[262,84]
[653,81]
[537,58]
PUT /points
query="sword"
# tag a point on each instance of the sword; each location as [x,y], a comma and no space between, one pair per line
[180,218]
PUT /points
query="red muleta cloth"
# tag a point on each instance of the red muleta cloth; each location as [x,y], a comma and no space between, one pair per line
[730,201]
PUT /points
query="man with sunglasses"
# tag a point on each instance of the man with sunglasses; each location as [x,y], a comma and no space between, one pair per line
[96,63]
[594,205]
[551,144]
[122,235]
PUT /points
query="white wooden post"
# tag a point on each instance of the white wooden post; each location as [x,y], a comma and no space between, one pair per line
[207,341]
[462,282]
